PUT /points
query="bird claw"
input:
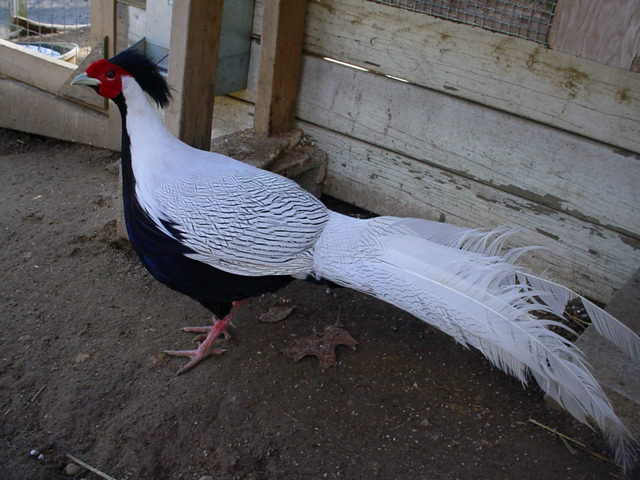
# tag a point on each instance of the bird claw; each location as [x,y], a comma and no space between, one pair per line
[225,333]
[207,329]
[207,339]
[196,356]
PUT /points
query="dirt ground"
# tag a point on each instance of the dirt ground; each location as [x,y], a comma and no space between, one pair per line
[82,373]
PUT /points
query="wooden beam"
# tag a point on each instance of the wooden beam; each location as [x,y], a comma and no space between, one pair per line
[606,32]
[195,39]
[280,65]
[103,25]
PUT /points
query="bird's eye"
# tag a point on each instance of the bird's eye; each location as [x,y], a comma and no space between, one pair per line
[111,74]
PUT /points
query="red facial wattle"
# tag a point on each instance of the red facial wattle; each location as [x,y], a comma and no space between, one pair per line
[110,77]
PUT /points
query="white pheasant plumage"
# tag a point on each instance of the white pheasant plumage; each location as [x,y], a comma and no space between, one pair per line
[251,223]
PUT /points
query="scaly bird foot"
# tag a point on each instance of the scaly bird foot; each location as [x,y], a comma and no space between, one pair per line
[196,356]
[206,348]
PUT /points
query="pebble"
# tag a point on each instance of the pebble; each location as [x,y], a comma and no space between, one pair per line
[34,453]
[206,477]
[72,469]
[41,457]
[81,357]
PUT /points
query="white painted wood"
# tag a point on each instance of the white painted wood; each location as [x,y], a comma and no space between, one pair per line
[556,169]
[503,72]
[32,68]
[32,110]
[592,259]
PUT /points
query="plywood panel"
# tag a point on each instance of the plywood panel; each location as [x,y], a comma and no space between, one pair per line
[29,109]
[606,32]
[32,68]
[503,72]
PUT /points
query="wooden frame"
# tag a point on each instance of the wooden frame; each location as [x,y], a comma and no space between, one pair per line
[280,65]
[195,38]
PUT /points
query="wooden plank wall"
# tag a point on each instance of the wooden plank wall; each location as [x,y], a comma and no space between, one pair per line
[506,73]
[400,148]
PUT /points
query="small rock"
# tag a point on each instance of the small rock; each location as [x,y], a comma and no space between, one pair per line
[206,477]
[81,357]
[425,423]
[34,453]
[41,457]
[72,469]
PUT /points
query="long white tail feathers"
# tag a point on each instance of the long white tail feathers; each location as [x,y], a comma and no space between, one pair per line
[459,281]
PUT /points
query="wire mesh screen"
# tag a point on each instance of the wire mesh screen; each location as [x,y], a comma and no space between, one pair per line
[23,18]
[530,19]
[57,28]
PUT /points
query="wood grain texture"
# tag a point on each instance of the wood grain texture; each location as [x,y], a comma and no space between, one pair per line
[195,39]
[606,32]
[280,64]
[502,72]
[553,168]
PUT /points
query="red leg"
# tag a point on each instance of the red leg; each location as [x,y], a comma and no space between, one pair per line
[206,348]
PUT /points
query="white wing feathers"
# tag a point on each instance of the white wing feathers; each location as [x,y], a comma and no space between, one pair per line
[261,224]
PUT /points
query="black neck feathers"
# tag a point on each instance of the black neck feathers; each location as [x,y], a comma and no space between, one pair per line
[146,73]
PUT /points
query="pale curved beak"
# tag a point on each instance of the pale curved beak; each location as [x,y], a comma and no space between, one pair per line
[84,79]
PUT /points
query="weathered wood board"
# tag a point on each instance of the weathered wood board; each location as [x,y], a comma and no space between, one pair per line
[556,169]
[33,110]
[496,70]
[33,68]
[606,32]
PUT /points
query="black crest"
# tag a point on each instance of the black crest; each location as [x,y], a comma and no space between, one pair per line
[146,73]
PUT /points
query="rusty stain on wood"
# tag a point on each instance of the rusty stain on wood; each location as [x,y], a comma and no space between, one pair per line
[623,95]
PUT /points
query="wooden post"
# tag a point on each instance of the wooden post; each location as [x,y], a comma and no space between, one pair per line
[195,38]
[280,65]
[103,25]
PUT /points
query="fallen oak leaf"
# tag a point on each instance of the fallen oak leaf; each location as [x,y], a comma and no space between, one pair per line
[321,346]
